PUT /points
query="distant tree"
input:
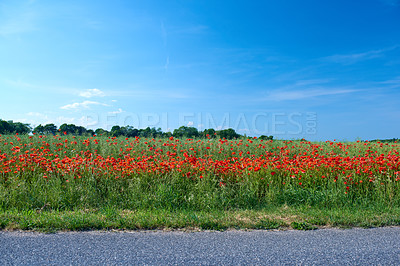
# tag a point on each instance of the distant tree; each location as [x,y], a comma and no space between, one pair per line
[49,129]
[228,133]
[80,130]
[188,132]
[101,131]
[90,132]
[124,131]
[210,132]
[20,128]
[131,132]
[266,137]
[167,134]
[116,131]
[386,140]
[145,133]
[155,133]
[64,128]
[67,129]
[39,129]
[5,127]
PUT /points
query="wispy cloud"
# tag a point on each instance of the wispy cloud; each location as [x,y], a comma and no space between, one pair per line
[348,59]
[166,63]
[82,105]
[304,94]
[395,81]
[92,93]
[116,112]
[389,84]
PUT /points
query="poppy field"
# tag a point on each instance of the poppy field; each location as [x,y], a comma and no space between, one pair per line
[67,173]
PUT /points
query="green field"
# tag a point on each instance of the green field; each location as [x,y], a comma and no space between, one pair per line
[51,183]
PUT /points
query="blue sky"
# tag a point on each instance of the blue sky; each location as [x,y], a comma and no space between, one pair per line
[314,69]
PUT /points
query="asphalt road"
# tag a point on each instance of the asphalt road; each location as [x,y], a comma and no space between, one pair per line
[379,246]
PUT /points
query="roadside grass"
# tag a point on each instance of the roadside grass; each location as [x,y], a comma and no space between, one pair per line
[281,218]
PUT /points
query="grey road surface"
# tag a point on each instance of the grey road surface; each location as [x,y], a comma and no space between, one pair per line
[379,246]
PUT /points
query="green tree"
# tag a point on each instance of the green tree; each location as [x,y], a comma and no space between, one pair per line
[101,131]
[229,133]
[210,132]
[188,132]
[145,133]
[266,137]
[5,127]
[90,132]
[116,131]
[68,128]
[20,128]
[167,134]
[50,129]
[39,129]
[80,130]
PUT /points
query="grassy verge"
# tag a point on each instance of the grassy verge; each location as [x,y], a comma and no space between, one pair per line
[283,217]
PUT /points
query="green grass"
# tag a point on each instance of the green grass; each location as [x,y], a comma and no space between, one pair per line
[179,204]
[282,218]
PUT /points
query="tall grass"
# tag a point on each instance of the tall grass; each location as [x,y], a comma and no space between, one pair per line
[30,178]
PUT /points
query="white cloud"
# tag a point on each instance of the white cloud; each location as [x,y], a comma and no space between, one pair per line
[116,112]
[92,93]
[82,105]
[190,123]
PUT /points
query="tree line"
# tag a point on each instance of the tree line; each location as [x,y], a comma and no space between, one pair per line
[10,127]
[386,140]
